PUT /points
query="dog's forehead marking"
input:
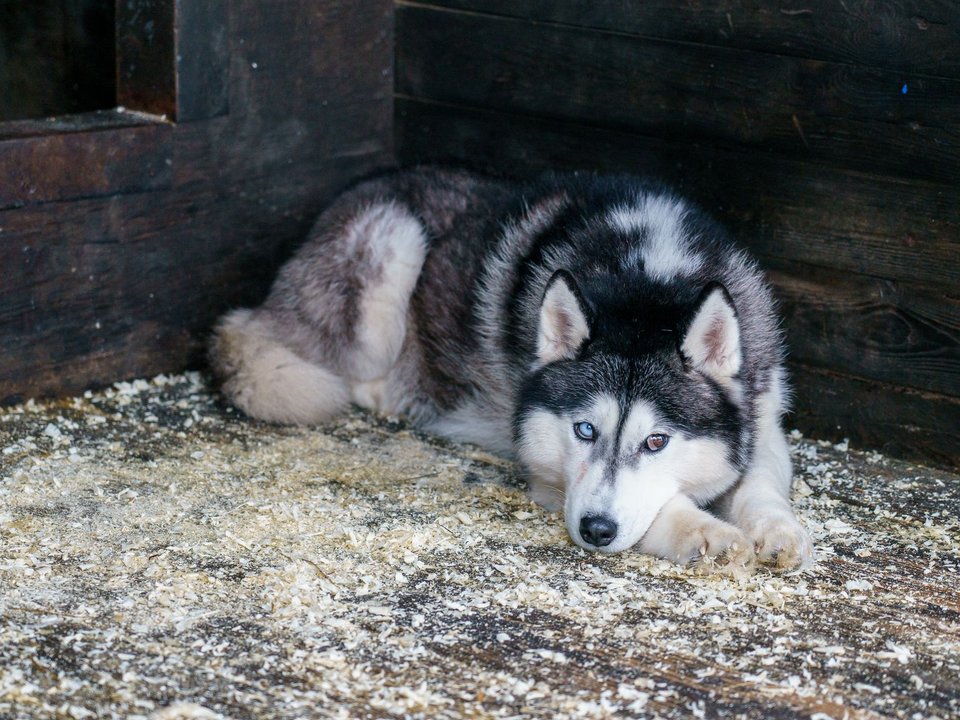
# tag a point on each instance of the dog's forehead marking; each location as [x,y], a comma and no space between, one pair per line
[665,252]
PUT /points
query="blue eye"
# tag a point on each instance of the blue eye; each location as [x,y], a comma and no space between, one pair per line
[585,431]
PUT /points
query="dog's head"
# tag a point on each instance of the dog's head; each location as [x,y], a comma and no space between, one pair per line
[627,409]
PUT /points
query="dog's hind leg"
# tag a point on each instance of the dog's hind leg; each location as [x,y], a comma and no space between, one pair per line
[336,318]
[394,250]
[266,379]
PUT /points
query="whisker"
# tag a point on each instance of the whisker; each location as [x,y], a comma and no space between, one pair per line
[556,492]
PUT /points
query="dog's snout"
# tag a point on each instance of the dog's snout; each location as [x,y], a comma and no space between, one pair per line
[598,530]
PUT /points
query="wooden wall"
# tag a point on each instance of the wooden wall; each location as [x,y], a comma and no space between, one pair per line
[122,235]
[825,134]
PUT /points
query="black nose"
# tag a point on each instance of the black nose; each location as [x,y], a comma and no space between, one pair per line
[598,530]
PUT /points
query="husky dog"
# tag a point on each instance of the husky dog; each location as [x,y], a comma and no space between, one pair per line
[600,330]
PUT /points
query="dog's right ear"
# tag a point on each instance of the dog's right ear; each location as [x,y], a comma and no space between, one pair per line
[563,320]
[711,343]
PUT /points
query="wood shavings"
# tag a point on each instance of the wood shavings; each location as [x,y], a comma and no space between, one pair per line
[163,557]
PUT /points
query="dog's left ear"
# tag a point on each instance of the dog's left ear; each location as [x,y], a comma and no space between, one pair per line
[712,341]
[563,320]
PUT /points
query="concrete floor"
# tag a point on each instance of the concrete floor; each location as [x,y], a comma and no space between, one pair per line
[162,557]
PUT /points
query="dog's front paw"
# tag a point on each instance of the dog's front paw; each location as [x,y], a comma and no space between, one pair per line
[782,542]
[717,545]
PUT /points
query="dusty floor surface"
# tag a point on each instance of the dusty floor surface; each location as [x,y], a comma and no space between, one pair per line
[162,557]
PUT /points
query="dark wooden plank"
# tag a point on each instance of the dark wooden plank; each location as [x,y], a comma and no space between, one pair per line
[101,159]
[203,59]
[902,423]
[146,56]
[874,329]
[907,36]
[300,71]
[906,231]
[828,113]
[78,122]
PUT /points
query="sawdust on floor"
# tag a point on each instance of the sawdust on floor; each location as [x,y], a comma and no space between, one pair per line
[161,556]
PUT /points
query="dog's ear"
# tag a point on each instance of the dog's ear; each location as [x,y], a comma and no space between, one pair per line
[712,341]
[563,320]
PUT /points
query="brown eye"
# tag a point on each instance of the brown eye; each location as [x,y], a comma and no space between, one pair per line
[656,442]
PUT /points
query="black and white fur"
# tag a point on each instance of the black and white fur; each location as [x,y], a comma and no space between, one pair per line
[510,315]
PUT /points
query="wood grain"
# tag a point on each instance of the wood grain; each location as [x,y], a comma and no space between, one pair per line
[111,153]
[829,113]
[875,329]
[203,51]
[75,123]
[889,418]
[909,37]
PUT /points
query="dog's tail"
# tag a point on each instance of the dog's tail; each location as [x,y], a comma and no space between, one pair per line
[266,379]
